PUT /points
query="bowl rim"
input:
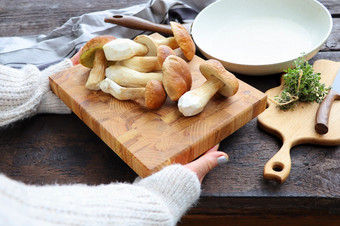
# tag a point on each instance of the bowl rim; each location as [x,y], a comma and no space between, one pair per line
[316,46]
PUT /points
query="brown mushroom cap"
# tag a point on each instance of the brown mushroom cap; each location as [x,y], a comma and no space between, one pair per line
[163,52]
[215,68]
[88,51]
[149,42]
[155,95]
[183,40]
[176,77]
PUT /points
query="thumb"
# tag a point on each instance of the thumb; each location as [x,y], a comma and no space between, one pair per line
[207,162]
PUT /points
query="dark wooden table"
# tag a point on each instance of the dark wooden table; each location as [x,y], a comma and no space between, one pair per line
[47,149]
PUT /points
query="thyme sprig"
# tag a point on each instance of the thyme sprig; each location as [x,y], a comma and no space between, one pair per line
[300,84]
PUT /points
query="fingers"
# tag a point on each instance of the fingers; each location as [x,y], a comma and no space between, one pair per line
[207,162]
[75,58]
[215,148]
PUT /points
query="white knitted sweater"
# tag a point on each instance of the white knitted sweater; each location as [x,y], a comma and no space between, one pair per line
[160,199]
[26,92]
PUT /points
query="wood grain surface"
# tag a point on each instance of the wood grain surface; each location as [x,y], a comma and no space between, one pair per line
[148,140]
[296,126]
[48,149]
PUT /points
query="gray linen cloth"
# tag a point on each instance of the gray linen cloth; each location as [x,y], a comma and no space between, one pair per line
[65,41]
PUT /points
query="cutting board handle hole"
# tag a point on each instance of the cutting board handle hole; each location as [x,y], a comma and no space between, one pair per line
[277,167]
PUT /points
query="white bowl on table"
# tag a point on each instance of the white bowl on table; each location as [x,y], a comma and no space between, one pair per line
[261,37]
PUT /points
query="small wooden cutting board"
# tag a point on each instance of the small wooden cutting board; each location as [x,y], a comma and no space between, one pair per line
[148,140]
[297,126]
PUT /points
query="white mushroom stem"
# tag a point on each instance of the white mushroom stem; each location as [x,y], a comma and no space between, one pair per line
[148,63]
[123,48]
[142,63]
[97,73]
[193,102]
[170,41]
[152,44]
[119,92]
[130,78]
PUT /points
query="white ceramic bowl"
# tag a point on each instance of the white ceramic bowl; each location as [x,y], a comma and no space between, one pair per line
[261,37]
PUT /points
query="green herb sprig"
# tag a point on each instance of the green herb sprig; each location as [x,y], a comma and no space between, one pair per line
[301,84]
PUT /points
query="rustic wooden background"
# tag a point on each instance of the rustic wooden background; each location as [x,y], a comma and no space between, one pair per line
[60,148]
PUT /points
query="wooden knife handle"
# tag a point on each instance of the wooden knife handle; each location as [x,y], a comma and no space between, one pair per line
[139,24]
[322,115]
[278,167]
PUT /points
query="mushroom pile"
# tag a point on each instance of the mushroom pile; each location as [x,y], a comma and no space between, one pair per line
[147,70]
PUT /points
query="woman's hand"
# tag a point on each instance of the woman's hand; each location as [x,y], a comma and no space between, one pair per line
[207,162]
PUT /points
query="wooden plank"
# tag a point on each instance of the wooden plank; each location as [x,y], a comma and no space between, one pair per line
[148,140]
[49,149]
[29,17]
[332,5]
[20,18]
[263,220]
[333,41]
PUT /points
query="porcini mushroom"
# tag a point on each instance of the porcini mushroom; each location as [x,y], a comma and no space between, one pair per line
[176,77]
[131,78]
[184,40]
[181,39]
[163,52]
[153,44]
[218,80]
[148,63]
[152,95]
[92,56]
[123,48]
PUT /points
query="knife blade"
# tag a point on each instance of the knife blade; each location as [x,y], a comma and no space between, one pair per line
[142,24]
[322,115]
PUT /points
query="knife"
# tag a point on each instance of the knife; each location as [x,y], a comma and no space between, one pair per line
[142,24]
[322,115]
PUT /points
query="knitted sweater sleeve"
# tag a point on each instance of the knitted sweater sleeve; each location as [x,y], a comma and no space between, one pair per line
[160,199]
[26,92]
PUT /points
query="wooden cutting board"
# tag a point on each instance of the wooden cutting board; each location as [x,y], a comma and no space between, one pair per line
[148,140]
[297,126]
